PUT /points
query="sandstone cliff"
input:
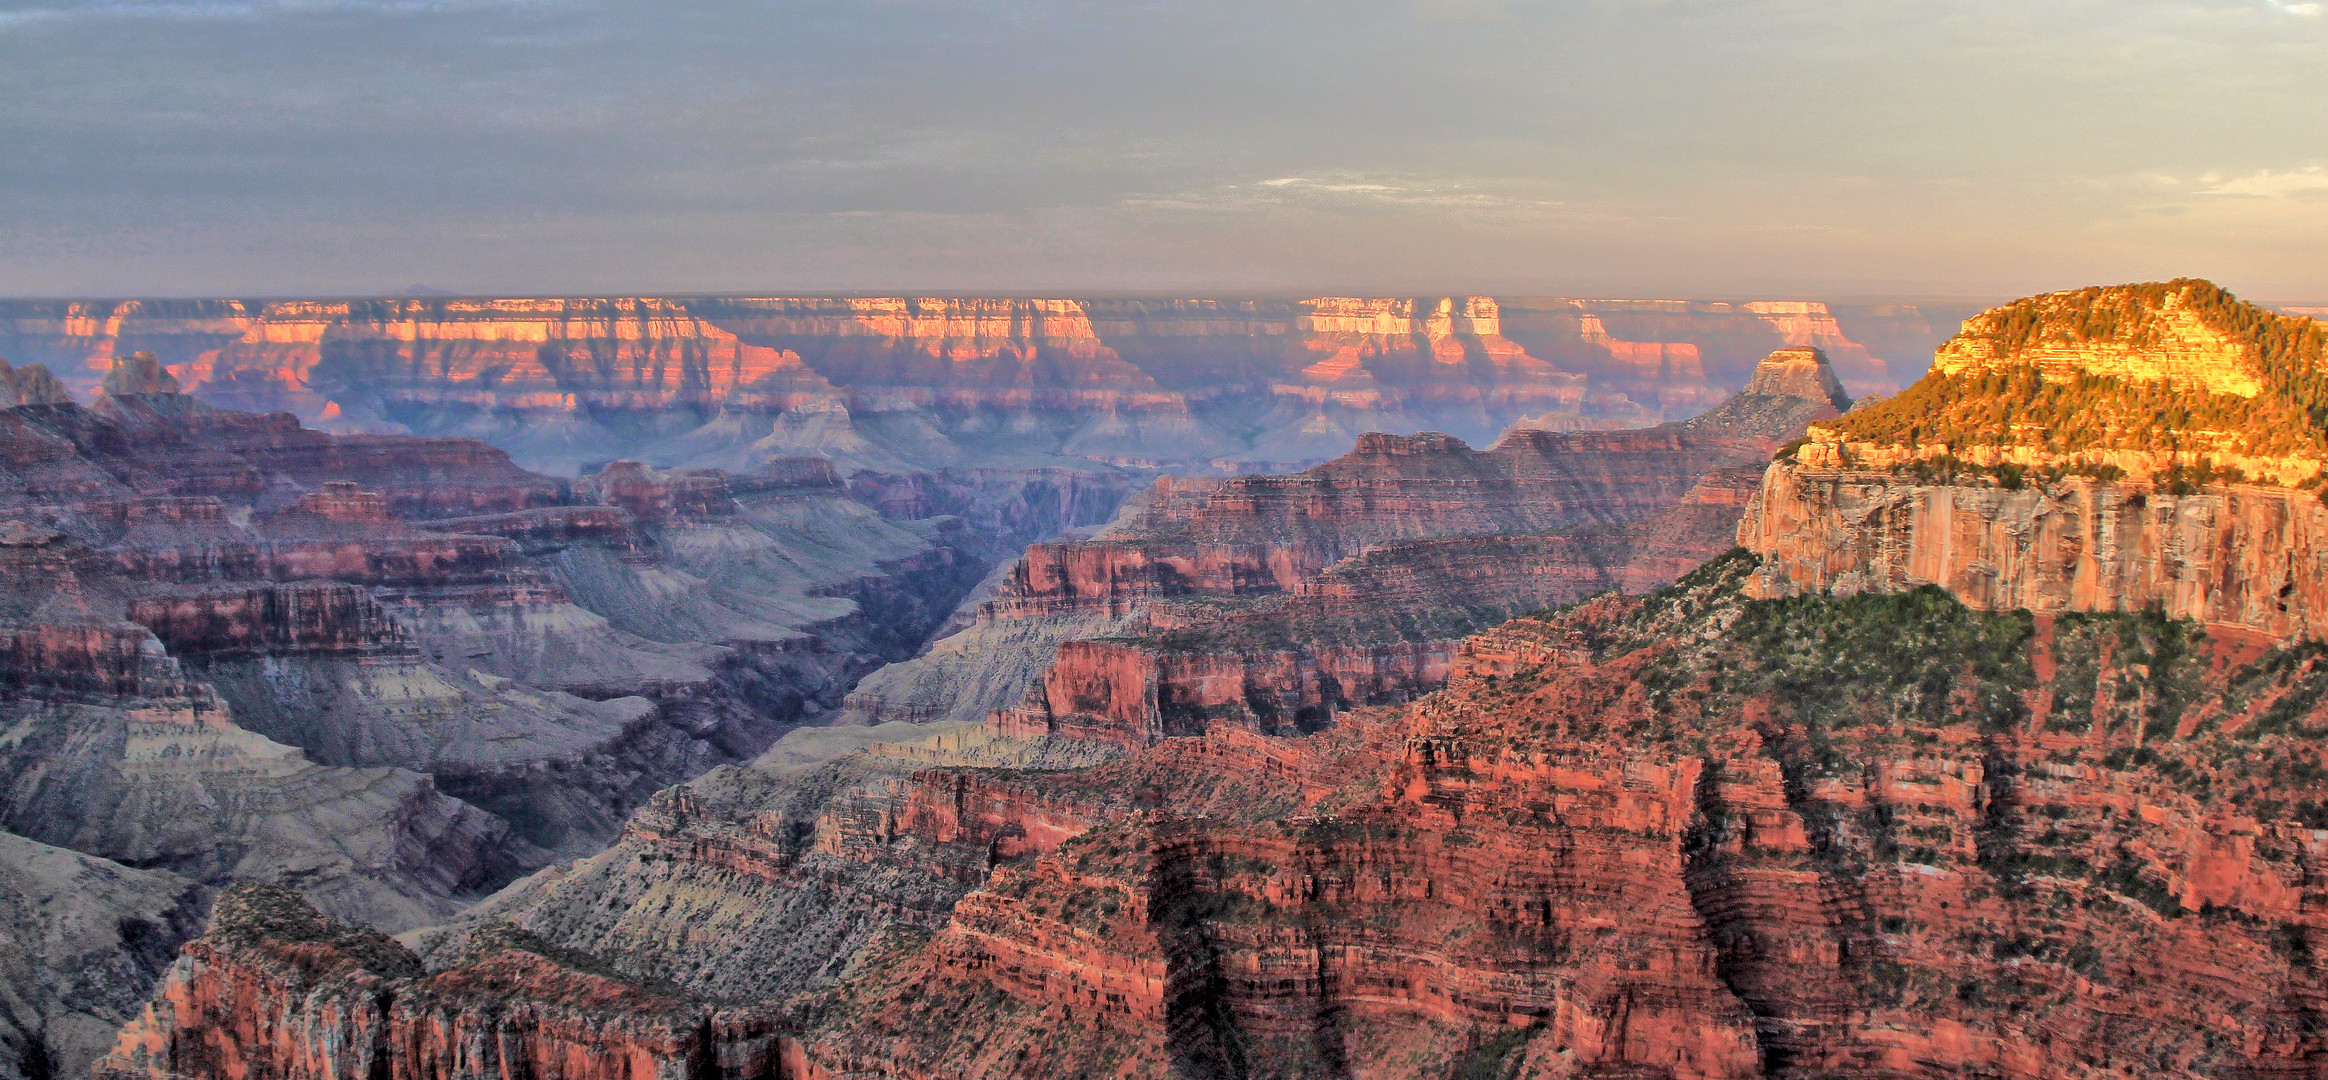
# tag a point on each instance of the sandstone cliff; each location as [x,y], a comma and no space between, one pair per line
[2100,450]
[274,989]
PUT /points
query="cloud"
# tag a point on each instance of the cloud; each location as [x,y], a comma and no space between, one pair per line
[287,146]
[2307,183]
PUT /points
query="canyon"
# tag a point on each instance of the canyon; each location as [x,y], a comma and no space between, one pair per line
[904,384]
[391,673]
[1971,731]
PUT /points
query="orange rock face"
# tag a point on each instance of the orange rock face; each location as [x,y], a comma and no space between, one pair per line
[2243,556]
[1648,839]
[2104,449]
[276,990]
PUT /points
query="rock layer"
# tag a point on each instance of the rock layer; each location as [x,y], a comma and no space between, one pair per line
[2109,449]
[276,990]
[903,384]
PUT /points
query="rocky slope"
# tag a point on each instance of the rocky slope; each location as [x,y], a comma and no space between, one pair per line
[1280,599]
[1695,835]
[901,385]
[551,652]
[2100,450]
[86,940]
[1702,836]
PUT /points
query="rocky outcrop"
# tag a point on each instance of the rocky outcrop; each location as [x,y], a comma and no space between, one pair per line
[31,384]
[274,989]
[1790,390]
[1232,556]
[305,618]
[2095,450]
[1379,627]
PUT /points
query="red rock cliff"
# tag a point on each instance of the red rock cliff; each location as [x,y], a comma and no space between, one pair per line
[276,990]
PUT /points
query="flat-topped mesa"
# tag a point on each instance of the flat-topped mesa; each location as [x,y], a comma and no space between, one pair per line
[2098,450]
[139,390]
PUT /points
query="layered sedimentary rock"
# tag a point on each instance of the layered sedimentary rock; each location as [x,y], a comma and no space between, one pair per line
[398,671]
[1709,832]
[2101,450]
[1675,839]
[904,384]
[1678,357]
[1277,600]
[1378,627]
[1693,835]
[274,989]
[1257,540]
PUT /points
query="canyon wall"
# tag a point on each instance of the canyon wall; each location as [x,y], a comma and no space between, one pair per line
[1751,824]
[2110,449]
[906,384]
[1277,601]
[1688,835]
[274,989]
[2246,556]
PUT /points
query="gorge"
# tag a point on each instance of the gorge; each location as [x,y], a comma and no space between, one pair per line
[1974,730]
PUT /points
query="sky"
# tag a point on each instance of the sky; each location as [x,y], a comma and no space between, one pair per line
[1673,148]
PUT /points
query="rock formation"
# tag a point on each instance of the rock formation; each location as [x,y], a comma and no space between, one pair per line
[1790,390]
[275,989]
[394,672]
[904,384]
[2100,450]
[1240,558]
[1278,600]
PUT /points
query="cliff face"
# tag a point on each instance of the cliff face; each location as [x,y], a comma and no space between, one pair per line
[2245,556]
[276,990]
[1238,558]
[2090,451]
[1694,834]
[1276,601]
[903,384]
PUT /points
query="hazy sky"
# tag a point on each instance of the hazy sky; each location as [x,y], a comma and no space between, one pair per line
[1602,147]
